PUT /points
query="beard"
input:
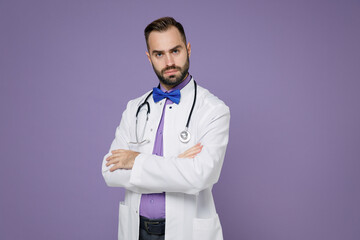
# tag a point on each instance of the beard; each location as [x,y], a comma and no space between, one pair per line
[173,80]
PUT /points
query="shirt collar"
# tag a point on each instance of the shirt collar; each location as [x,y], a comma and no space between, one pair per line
[180,86]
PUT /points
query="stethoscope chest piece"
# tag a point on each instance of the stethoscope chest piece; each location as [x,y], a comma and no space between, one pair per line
[185,136]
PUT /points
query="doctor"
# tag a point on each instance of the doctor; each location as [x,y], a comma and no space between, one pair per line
[169,148]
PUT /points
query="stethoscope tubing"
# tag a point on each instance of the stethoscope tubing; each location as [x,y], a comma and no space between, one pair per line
[184,135]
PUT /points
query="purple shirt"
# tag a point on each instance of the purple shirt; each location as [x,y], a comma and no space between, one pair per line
[153,205]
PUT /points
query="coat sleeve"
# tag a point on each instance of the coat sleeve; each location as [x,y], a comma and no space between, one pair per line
[190,176]
[120,177]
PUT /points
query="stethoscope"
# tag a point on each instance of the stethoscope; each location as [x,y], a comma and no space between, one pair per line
[184,136]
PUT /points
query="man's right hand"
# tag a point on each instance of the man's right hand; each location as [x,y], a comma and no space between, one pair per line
[192,152]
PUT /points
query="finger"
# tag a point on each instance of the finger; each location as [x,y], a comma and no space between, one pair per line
[193,150]
[188,155]
[191,154]
[117,151]
[113,161]
[113,168]
[115,155]
[119,165]
[110,157]
[195,146]
[198,145]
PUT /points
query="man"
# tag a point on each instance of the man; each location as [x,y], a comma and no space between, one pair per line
[169,148]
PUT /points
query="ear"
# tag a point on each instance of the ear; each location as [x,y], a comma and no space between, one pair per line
[189,49]
[148,56]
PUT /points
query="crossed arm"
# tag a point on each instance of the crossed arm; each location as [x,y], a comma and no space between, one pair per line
[189,172]
[125,159]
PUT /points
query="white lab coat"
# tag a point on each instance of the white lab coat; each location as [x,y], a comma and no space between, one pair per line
[190,209]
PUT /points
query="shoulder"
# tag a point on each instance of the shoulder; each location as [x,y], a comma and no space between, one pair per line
[137,101]
[209,102]
[134,104]
[212,112]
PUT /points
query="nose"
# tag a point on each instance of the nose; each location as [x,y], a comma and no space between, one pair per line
[169,60]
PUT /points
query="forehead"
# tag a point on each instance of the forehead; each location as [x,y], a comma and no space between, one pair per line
[165,40]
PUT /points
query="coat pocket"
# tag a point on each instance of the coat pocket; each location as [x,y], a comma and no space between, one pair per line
[124,216]
[207,229]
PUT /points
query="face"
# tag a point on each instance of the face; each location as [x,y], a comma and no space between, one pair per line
[169,56]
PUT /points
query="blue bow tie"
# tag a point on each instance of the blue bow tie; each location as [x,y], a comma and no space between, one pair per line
[174,96]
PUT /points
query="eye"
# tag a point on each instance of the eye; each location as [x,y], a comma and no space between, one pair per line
[158,54]
[176,51]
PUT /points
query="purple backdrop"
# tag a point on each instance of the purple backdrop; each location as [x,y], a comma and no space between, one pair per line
[289,70]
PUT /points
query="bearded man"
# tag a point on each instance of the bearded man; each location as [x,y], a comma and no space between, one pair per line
[169,148]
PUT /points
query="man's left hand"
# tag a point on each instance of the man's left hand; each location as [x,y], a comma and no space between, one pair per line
[121,159]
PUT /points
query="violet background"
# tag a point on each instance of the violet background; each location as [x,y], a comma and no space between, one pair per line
[289,71]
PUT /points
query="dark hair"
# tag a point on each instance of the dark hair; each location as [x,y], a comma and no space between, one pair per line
[161,25]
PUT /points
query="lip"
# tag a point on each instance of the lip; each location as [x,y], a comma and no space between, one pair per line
[171,71]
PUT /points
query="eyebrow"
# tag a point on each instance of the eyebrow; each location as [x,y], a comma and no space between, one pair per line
[162,51]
